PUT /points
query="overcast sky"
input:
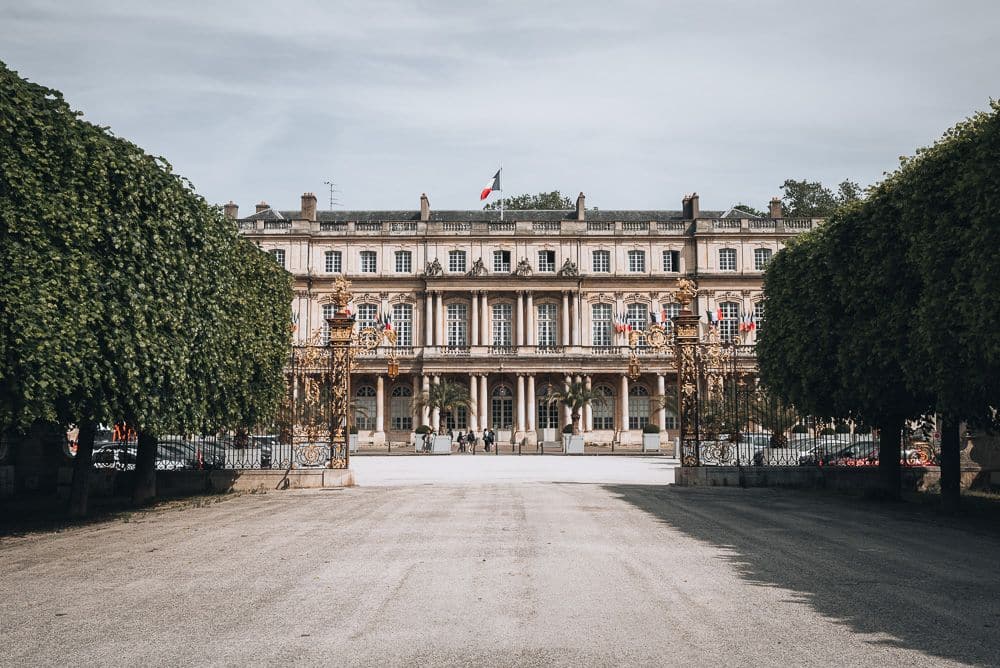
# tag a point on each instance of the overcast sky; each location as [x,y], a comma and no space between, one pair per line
[634,103]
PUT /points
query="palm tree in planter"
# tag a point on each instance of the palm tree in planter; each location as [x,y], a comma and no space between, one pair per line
[576,397]
[445,396]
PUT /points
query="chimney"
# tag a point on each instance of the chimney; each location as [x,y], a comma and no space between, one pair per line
[425,207]
[262,206]
[776,211]
[308,206]
[690,204]
[580,208]
[232,210]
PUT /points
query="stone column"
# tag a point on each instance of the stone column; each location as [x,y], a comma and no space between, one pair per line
[530,338]
[429,319]
[425,412]
[415,390]
[588,410]
[439,321]
[378,437]
[474,401]
[519,408]
[579,422]
[530,406]
[577,319]
[519,319]
[565,319]
[484,321]
[567,412]
[484,402]
[661,389]
[474,307]
[624,438]
[436,413]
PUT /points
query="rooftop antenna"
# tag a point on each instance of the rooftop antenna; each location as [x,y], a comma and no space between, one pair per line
[333,201]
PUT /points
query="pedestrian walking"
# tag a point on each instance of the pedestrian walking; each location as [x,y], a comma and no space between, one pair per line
[461,441]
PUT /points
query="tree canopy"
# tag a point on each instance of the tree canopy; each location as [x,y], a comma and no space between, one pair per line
[811,199]
[126,296]
[550,201]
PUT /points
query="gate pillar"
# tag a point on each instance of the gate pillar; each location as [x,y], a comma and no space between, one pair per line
[341,326]
[686,354]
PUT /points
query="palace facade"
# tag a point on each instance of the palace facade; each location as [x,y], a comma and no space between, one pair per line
[512,308]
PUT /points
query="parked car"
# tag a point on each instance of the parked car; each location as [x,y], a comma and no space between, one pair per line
[114,455]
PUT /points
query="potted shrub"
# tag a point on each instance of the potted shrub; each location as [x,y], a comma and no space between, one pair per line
[650,437]
[576,396]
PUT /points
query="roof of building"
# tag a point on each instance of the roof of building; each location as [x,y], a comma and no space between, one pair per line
[598,215]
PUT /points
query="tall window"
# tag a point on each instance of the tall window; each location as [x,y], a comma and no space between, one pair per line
[637,315]
[603,413]
[730,322]
[501,407]
[727,259]
[671,261]
[364,408]
[404,262]
[402,322]
[758,314]
[456,261]
[761,256]
[671,311]
[600,261]
[546,325]
[601,323]
[502,314]
[400,407]
[328,311]
[369,262]
[457,418]
[279,256]
[636,261]
[638,407]
[669,418]
[548,414]
[546,260]
[457,320]
[501,261]
[332,262]
[367,313]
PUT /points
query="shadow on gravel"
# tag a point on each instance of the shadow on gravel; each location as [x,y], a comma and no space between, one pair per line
[930,583]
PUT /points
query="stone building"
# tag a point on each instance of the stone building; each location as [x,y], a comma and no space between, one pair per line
[512,308]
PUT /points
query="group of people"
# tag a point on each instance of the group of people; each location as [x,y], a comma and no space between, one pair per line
[466,441]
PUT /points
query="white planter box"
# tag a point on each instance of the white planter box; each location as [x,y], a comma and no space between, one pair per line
[547,435]
[442,445]
[573,445]
[650,442]
[352,442]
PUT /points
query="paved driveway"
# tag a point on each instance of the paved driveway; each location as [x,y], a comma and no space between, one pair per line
[625,572]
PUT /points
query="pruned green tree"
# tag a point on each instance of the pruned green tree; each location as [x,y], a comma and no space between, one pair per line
[550,201]
[811,199]
[575,397]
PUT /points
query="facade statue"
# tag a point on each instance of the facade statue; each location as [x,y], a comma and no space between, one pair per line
[433,269]
[478,268]
[523,268]
[569,269]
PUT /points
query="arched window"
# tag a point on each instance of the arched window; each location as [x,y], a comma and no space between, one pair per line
[670,418]
[638,407]
[400,407]
[600,319]
[364,408]
[603,413]
[548,414]
[501,407]
[367,313]
[730,322]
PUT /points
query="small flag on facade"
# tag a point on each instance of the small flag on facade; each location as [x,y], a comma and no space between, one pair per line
[494,184]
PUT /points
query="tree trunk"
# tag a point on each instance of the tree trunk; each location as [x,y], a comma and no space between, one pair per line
[951,492]
[575,417]
[889,454]
[79,493]
[144,483]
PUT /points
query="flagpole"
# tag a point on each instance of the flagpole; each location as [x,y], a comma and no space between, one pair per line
[501,191]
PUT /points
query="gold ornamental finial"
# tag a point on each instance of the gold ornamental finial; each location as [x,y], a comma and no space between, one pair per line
[341,293]
[686,290]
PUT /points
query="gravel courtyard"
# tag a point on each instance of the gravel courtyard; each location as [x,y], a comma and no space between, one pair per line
[537,561]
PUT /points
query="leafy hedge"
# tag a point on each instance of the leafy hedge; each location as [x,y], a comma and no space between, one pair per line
[125,295]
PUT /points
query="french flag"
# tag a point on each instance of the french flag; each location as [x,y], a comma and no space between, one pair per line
[494,184]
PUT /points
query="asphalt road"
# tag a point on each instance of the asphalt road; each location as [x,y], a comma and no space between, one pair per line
[512,571]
